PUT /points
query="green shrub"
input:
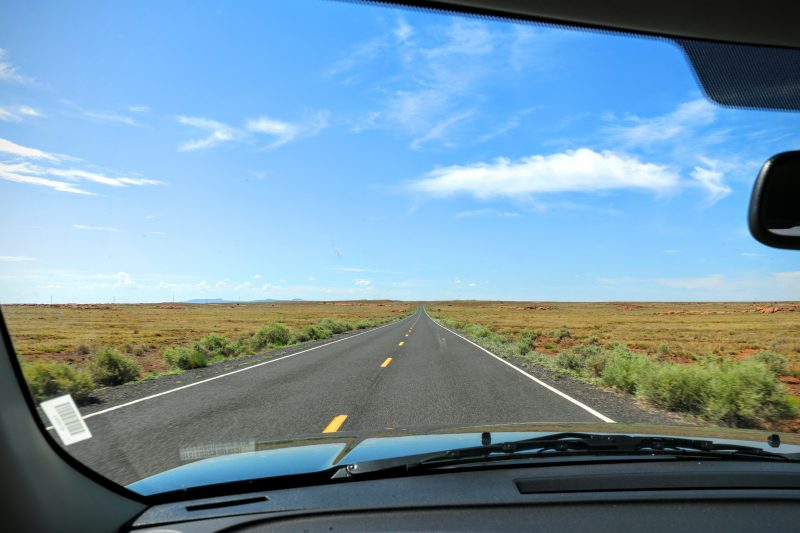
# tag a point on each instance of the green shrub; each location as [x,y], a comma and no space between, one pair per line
[676,387]
[313,332]
[526,341]
[745,393]
[454,324]
[478,330]
[216,344]
[271,335]
[49,378]
[562,333]
[335,326]
[777,363]
[241,347]
[186,358]
[587,360]
[364,324]
[624,370]
[664,349]
[109,367]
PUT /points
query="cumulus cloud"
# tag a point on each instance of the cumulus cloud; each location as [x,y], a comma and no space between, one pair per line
[582,170]
[363,282]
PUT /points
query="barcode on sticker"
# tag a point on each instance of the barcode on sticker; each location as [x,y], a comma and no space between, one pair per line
[66,419]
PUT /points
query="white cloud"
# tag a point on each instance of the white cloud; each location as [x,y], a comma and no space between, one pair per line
[439,131]
[280,131]
[217,133]
[12,173]
[472,285]
[100,178]
[486,212]
[750,254]
[363,282]
[8,147]
[403,31]
[581,170]
[672,251]
[257,276]
[441,72]
[511,123]
[738,287]
[711,179]
[15,258]
[18,170]
[110,116]
[95,228]
[138,108]
[712,281]
[11,73]
[285,132]
[17,113]
[647,131]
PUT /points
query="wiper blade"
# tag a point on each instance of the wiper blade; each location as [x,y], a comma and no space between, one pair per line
[566,444]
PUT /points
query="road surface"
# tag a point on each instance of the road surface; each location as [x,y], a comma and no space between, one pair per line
[412,372]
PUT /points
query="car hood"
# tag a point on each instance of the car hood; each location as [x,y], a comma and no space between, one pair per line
[227,462]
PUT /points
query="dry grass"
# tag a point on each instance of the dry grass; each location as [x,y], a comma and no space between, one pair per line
[71,332]
[679,331]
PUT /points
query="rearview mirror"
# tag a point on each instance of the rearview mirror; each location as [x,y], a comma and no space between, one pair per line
[774,216]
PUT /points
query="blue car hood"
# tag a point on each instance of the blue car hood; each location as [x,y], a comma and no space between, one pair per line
[249,460]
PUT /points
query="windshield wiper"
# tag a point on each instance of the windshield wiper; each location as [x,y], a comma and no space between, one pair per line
[559,444]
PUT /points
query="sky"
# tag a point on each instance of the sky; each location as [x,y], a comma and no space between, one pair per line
[327,150]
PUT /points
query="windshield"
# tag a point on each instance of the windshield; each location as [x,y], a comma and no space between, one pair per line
[261,226]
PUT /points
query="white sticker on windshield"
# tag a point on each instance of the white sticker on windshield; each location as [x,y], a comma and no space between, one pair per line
[66,419]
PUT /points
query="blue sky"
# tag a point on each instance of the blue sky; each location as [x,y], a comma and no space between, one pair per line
[325,150]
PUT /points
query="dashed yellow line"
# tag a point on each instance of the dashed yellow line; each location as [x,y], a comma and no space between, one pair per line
[386,363]
[401,343]
[407,334]
[335,424]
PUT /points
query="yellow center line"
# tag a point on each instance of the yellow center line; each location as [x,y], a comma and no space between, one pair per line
[401,343]
[407,334]
[386,363]
[335,424]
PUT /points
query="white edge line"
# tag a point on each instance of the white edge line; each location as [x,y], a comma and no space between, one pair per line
[120,406]
[567,397]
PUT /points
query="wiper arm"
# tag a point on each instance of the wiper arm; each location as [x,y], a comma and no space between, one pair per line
[566,444]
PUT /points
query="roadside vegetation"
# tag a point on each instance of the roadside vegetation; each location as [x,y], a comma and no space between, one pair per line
[714,387]
[104,366]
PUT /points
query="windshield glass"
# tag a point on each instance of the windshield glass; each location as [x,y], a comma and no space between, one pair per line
[263,227]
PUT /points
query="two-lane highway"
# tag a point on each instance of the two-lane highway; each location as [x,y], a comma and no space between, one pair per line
[413,372]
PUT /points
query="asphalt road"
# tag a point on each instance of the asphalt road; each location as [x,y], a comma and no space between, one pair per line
[409,373]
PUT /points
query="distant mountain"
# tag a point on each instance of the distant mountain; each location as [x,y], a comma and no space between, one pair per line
[223,301]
